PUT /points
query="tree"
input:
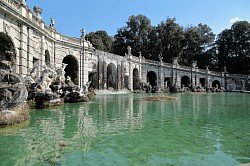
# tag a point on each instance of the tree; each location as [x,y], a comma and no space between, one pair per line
[224,43]
[170,37]
[198,39]
[135,34]
[208,58]
[100,40]
[233,47]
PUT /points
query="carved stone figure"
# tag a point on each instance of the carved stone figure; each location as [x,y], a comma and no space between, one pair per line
[30,79]
[68,81]
[129,50]
[45,80]
[160,57]
[52,23]
[12,89]
[83,33]
[60,74]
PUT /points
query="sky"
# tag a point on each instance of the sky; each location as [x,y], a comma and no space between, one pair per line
[110,15]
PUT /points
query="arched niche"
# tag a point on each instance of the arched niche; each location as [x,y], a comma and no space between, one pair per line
[7,52]
[47,57]
[72,68]
[136,79]
[185,80]
[152,78]
[111,76]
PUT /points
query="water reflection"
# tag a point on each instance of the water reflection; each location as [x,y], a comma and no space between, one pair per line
[202,127]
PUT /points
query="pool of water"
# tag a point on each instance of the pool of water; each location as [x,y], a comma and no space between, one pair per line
[124,129]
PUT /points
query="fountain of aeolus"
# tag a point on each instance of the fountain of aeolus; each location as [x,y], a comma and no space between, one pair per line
[52,88]
[13,93]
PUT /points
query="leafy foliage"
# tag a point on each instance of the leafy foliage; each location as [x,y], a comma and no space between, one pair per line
[171,37]
[233,47]
[135,34]
[100,40]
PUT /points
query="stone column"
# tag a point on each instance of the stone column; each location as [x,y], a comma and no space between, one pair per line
[23,50]
[30,48]
[143,74]
[119,73]
[42,53]
[222,84]
[80,81]
[194,77]
[178,83]
[85,68]
[100,73]
[161,78]
[122,74]
[82,56]
[130,81]
[242,85]
[209,84]
[140,71]
[104,74]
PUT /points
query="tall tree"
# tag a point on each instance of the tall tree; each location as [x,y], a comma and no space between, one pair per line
[198,39]
[224,43]
[135,34]
[170,37]
[100,40]
[234,48]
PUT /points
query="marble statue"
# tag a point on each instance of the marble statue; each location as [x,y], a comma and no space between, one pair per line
[45,80]
[52,23]
[13,94]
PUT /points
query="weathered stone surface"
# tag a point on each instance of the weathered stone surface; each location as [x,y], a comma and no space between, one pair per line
[46,100]
[16,114]
[74,97]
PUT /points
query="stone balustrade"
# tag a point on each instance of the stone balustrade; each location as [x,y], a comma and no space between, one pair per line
[13,4]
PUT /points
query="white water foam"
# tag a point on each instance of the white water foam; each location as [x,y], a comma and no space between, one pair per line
[106,92]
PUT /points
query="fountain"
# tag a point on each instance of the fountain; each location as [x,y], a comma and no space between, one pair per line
[13,94]
[52,88]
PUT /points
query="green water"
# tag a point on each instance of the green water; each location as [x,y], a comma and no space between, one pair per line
[196,129]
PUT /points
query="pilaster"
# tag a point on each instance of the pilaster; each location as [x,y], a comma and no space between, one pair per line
[161,81]
[42,52]
[100,74]
[30,48]
[23,50]
[122,74]
[119,76]
[130,81]
[104,74]
[85,67]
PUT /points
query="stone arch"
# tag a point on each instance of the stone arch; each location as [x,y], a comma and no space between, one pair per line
[111,76]
[185,80]
[126,81]
[47,57]
[71,68]
[93,80]
[136,79]
[216,84]
[7,52]
[152,79]
[93,77]
[203,82]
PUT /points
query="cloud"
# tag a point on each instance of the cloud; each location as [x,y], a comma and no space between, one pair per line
[233,20]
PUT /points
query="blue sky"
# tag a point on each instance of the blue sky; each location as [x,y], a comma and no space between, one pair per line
[110,15]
